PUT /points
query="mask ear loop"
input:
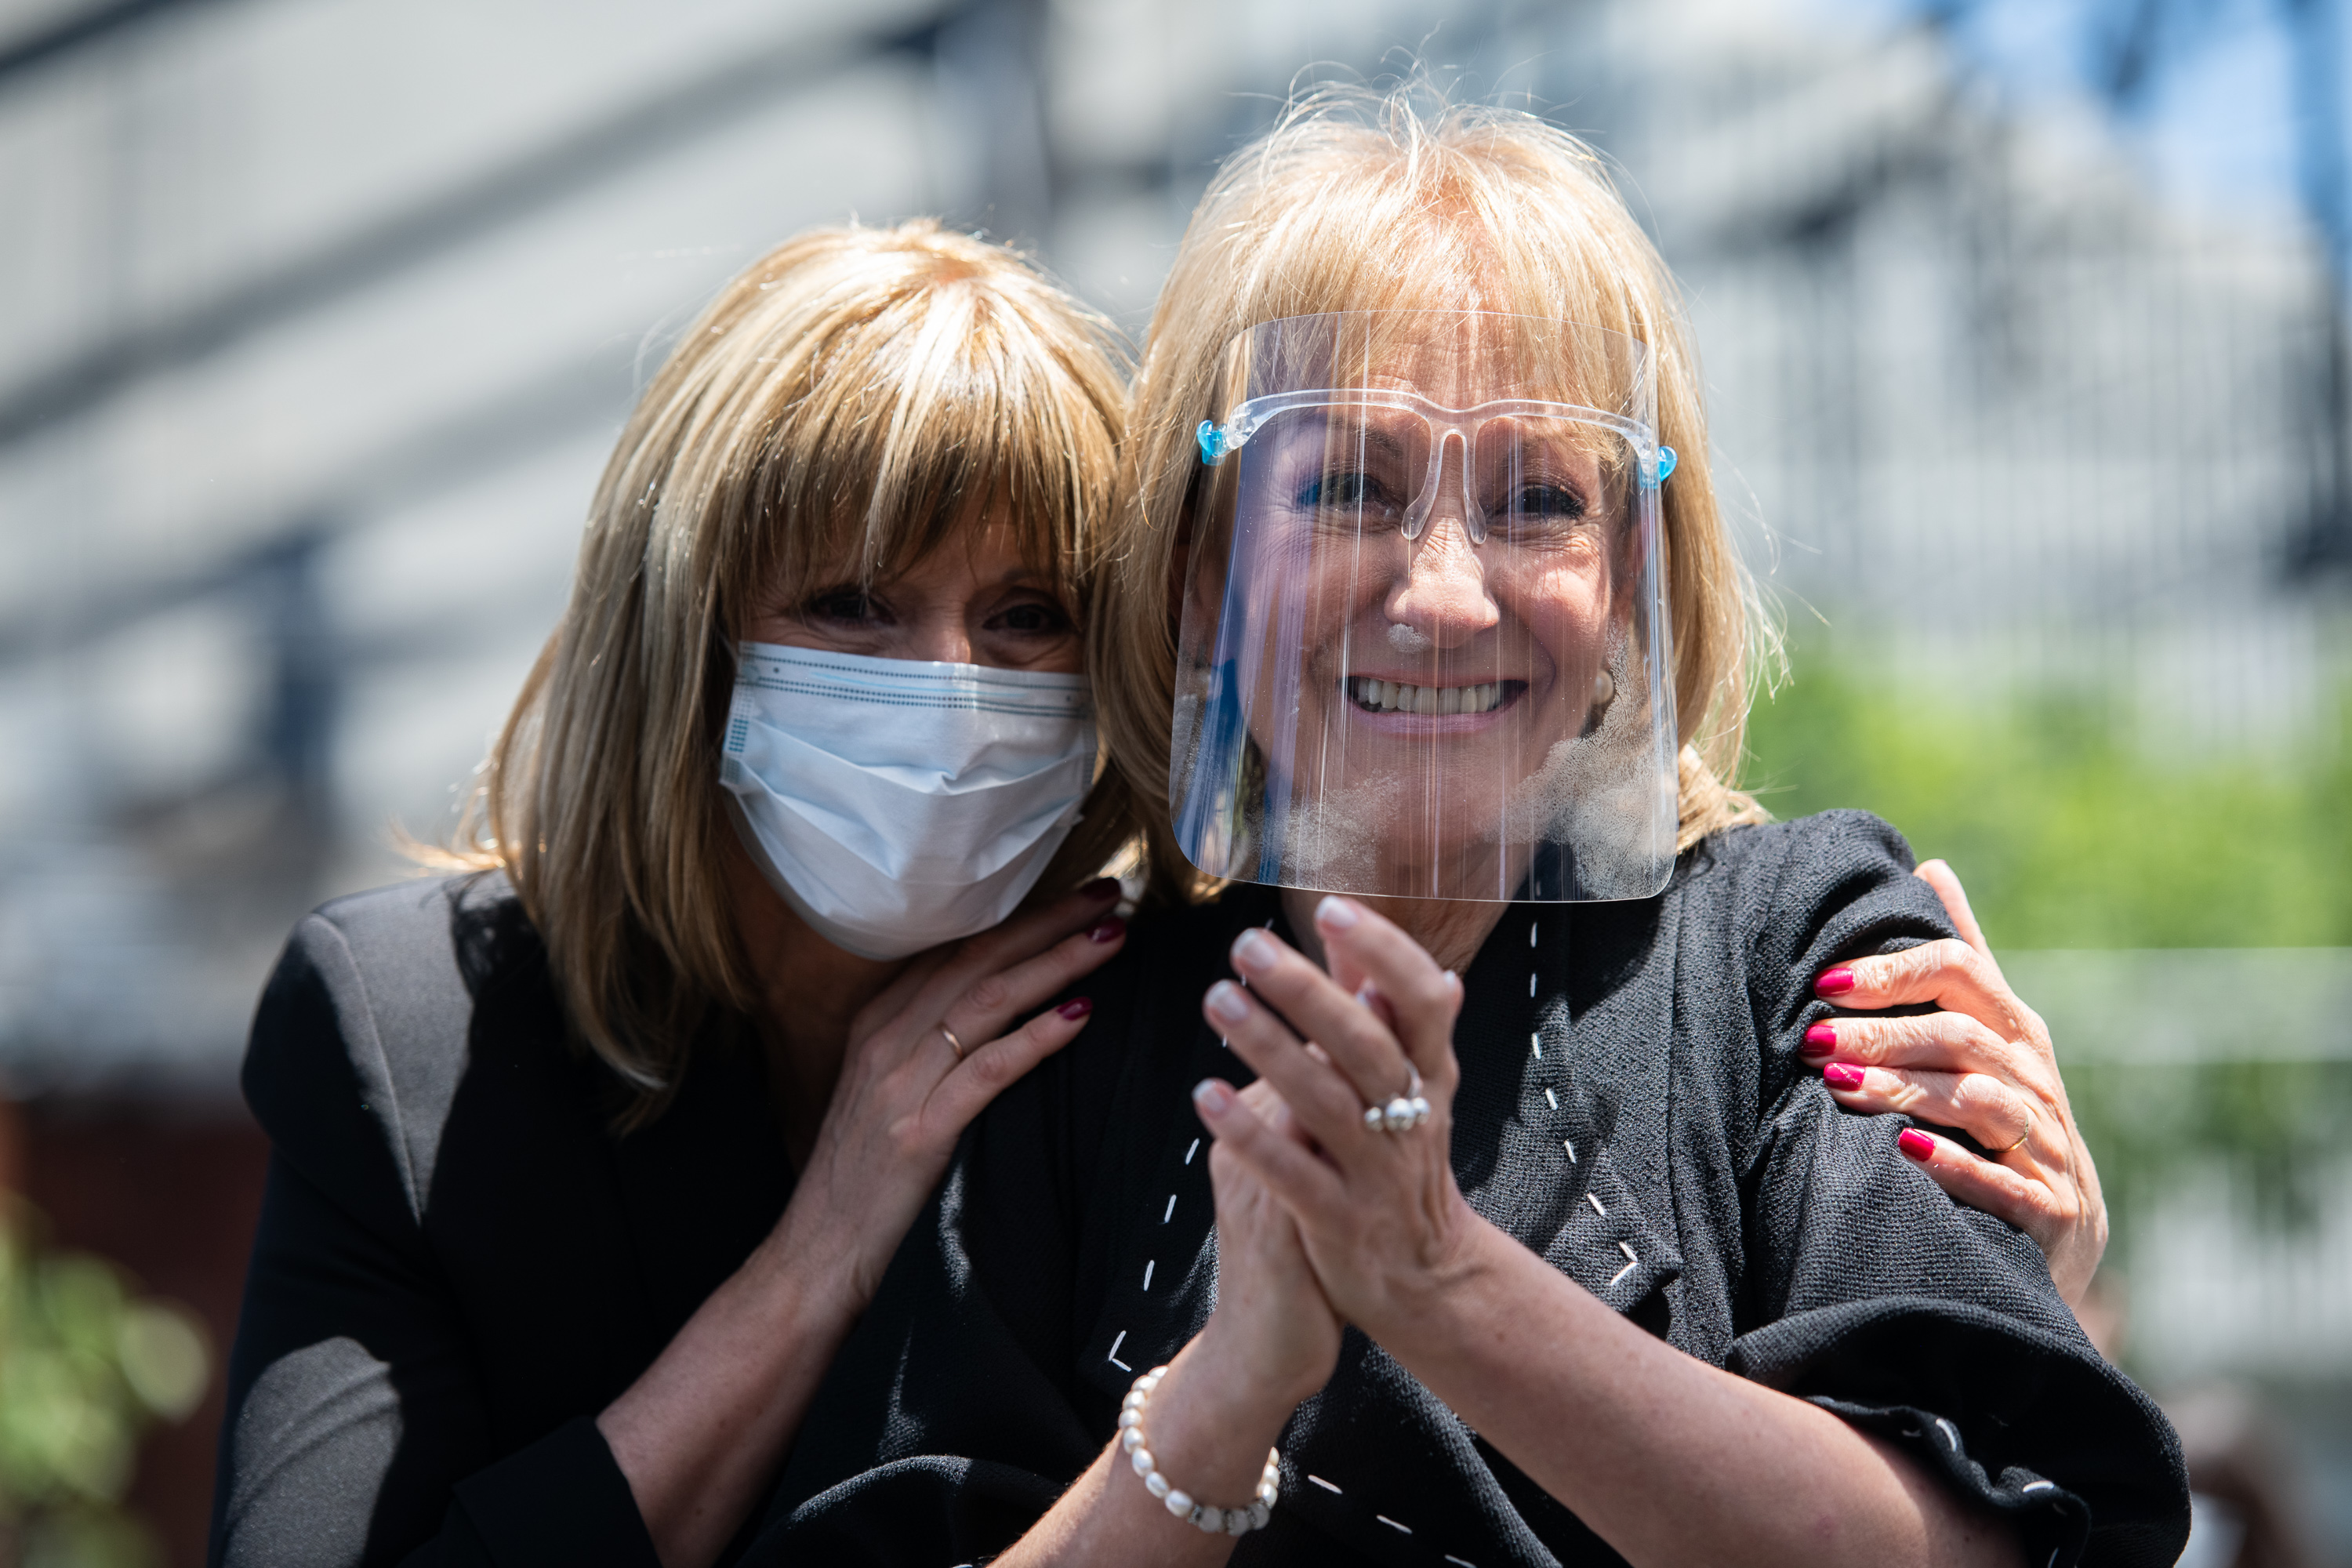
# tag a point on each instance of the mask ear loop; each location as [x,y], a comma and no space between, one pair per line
[1417,514]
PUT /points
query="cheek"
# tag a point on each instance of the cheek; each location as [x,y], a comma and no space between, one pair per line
[1563,604]
[763,618]
[1338,583]
[1068,658]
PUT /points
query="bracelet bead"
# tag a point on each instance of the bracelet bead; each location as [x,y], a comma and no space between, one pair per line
[1205,1516]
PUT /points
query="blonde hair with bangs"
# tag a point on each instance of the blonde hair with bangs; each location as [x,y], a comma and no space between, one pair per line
[1365,200]
[858,393]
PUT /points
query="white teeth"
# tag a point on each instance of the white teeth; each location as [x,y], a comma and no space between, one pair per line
[1395,697]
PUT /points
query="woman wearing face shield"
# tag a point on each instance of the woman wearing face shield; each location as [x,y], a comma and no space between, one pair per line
[585,1161]
[1533,1235]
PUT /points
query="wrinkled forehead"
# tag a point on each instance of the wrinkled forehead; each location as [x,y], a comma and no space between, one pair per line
[1454,359]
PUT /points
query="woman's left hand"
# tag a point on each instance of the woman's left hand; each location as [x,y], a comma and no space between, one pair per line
[1378,1212]
[1273,1323]
[1983,1063]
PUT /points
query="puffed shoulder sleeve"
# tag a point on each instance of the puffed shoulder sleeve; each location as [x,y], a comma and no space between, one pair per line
[357,1430]
[1875,1295]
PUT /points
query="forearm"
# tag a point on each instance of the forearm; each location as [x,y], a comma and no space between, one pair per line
[699,1435]
[1670,1460]
[1209,1425]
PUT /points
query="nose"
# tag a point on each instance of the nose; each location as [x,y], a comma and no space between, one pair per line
[943,637]
[1447,494]
[1443,593]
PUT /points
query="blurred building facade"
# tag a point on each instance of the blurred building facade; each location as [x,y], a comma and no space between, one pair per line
[318,318]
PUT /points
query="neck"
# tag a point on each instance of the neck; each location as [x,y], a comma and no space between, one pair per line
[1451,930]
[809,991]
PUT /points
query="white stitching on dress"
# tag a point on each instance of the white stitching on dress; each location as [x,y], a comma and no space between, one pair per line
[1531,933]
[1113,1357]
[1192,1150]
[1149,1265]
[2039,1486]
[1531,983]
[1392,1524]
[1551,1099]
[1465,1562]
[1171,1209]
[1570,1144]
[1596,1205]
[1326,1486]
[1951,1433]
[1535,1044]
[1632,1263]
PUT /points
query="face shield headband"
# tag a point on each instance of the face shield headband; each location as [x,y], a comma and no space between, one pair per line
[1423,649]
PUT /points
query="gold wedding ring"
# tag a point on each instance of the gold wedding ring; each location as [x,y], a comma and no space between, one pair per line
[2020,1137]
[953,1044]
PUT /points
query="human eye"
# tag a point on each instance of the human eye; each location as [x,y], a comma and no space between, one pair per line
[847,604]
[1032,618]
[1342,487]
[1543,505]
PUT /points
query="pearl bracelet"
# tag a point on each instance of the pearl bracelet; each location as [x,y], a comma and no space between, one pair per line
[1214,1521]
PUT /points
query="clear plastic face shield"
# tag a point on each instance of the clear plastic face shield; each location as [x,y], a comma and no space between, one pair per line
[1423,649]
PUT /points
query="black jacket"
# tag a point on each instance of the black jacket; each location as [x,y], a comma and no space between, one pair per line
[1632,1108]
[458,1263]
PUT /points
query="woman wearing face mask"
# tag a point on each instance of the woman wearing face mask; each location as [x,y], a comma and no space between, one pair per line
[1537,1239]
[585,1162]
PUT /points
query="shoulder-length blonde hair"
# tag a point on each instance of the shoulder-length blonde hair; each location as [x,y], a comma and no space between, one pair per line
[854,396]
[1360,200]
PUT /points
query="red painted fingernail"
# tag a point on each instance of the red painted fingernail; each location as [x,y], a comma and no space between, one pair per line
[1077,1007]
[1820,1040]
[1842,1075]
[1101,887]
[1111,928]
[1916,1143]
[1836,981]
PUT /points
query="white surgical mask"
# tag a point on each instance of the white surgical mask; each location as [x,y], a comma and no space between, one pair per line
[898,803]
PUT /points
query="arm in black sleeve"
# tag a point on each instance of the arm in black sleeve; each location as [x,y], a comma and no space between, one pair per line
[1881,1299]
[953,1417]
[357,1429]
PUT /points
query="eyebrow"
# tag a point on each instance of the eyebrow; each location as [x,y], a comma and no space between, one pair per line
[1371,436]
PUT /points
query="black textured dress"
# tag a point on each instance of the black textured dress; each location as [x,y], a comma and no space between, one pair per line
[1632,1108]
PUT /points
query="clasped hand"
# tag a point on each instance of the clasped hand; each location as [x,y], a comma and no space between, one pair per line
[1376,1228]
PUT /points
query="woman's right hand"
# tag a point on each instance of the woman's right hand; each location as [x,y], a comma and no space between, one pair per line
[907,1091]
[697,1434]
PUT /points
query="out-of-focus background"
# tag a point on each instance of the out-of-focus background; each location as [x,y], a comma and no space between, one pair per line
[2024,326]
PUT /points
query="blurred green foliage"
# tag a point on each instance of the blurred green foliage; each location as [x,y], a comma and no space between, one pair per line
[2070,834]
[85,1366]
[2066,832]
[2279,1126]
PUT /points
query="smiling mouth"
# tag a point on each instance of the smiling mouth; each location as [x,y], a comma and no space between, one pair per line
[1375,696]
